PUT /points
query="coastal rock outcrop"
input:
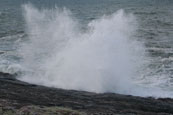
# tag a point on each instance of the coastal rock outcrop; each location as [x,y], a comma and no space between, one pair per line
[16,96]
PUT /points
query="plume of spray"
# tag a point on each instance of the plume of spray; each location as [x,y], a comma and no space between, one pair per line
[105,58]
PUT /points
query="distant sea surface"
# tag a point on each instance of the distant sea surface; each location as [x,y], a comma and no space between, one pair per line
[154,30]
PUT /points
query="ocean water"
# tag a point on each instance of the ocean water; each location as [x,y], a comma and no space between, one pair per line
[119,46]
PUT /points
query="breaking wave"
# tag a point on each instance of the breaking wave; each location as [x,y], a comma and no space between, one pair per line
[106,57]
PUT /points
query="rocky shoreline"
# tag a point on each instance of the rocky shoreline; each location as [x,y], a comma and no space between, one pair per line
[17,97]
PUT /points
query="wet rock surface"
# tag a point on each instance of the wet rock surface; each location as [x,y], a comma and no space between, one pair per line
[16,95]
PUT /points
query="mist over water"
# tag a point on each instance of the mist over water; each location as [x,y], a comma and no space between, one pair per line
[106,57]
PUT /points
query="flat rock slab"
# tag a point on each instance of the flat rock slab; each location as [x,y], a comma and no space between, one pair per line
[16,94]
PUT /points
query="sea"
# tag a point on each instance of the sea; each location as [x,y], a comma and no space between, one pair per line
[102,46]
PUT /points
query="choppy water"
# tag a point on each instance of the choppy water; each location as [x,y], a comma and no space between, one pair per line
[90,45]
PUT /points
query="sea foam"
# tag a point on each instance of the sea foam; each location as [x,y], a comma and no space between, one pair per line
[106,57]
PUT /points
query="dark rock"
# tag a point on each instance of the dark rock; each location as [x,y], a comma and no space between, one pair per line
[15,94]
